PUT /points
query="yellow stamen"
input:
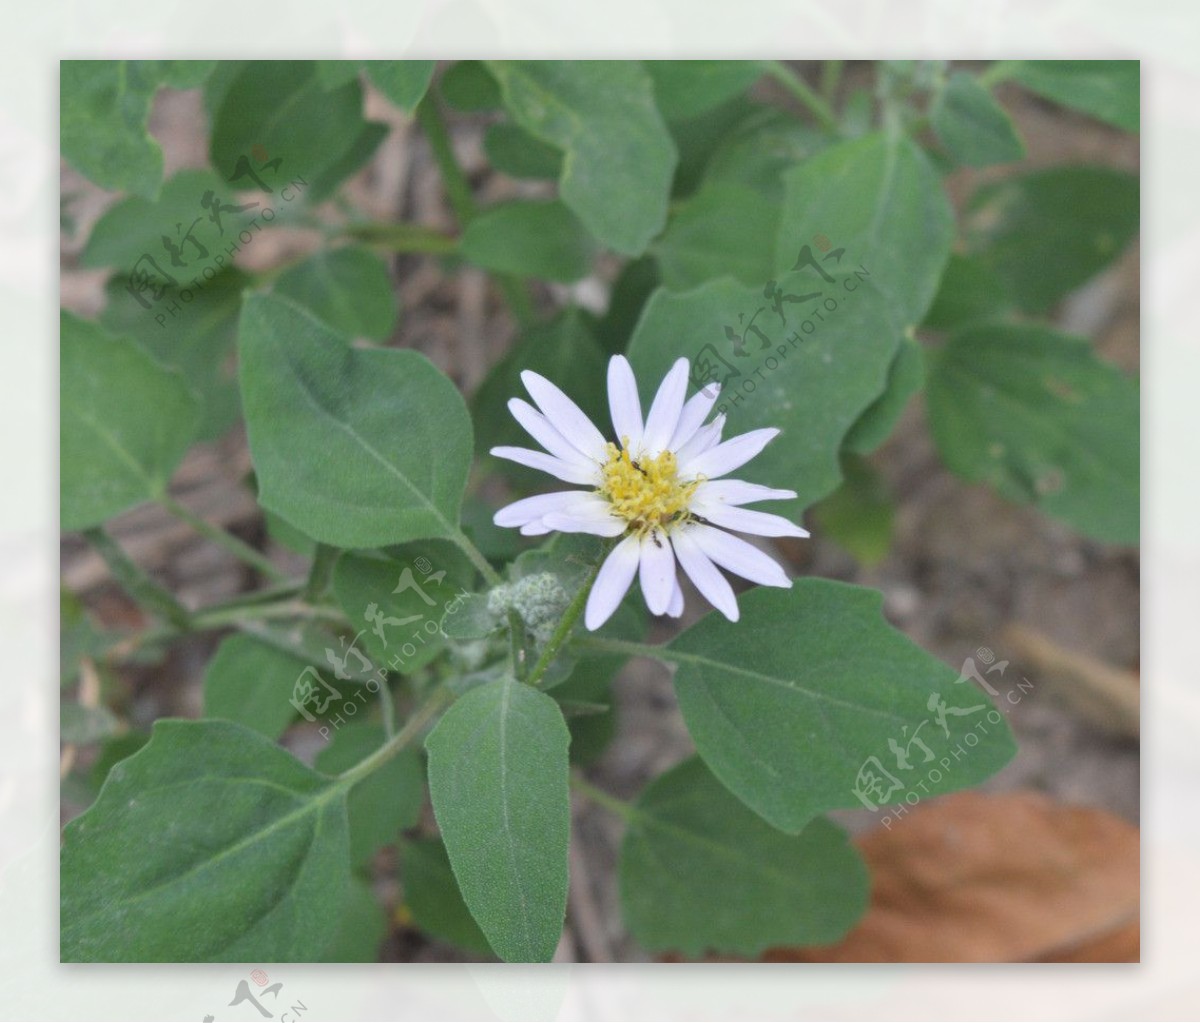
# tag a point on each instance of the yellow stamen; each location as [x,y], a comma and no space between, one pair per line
[645,492]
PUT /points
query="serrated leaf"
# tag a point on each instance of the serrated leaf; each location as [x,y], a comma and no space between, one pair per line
[251,684]
[1109,90]
[724,230]
[1035,414]
[687,88]
[792,705]
[518,154]
[432,897]
[348,288]
[396,600]
[699,872]
[355,447]
[1046,232]
[972,125]
[498,778]
[385,802]
[404,82]
[211,844]
[619,156]
[125,424]
[875,425]
[529,238]
[878,199]
[812,378]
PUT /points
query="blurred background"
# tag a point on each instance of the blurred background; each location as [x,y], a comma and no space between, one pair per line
[1040,864]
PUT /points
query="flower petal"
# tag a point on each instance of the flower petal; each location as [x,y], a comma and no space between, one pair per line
[565,471]
[565,416]
[612,582]
[535,528]
[730,455]
[743,520]
[704,575]
[675,608]
[694,411]
[539,428]
[592,515]
[707,437]
[738,557]
[739,492]
[657,571]
[623,402]
[530,509]
[663,416]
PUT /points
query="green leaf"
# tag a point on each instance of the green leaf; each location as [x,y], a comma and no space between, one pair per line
[211,844]
[281,110]
[724,230]
[83,726]
[530,238]
[355,447]
[972,125]
[518,154]
[1047,232]
[634,285]
[468,86]
[470,619]
[78,636]
[361,928]
[125,424]
[858,515]
[432,896]
[325,182]
[1037,416]
[969,291]
[333,73]
[498,778]
[791,706]
[619,156]
[133,234]
[698,138]
[1109,90]
[699,872]
[251,683]
[404,82]
[760,148]
[880,200]
[401,629]
[348,288]
[385,802]
[687,88]
[875,425]
[813,377]
[105,105]
[194,337]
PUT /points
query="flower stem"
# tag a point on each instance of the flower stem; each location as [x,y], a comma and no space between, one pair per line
[563,630]
[135,581]
[426,712]
[626,811]
[800,89]
[231,543]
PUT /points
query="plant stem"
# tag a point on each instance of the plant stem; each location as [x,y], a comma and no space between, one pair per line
[564,627]
[621,646]
[215,618]
[626,811]
[411,238]
[231,543]
[320,571]
[425,713]
[463,543]
[136,582]
[458,192]
[796,85]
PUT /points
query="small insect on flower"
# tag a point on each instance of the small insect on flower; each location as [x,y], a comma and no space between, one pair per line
[660,486]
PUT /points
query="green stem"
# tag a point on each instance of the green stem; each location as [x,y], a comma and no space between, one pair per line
[413,727]
[387,709]
[219,536]
[602,644]
[463,543]
[320,572]
[215,618]
[564,627]
[411,238]
[136,582]
[831,77]
[626,811]
[800,89]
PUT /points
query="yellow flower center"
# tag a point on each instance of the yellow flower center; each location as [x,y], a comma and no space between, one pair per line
[645,492]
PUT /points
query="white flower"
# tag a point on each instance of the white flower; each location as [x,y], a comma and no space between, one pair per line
[661,488]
